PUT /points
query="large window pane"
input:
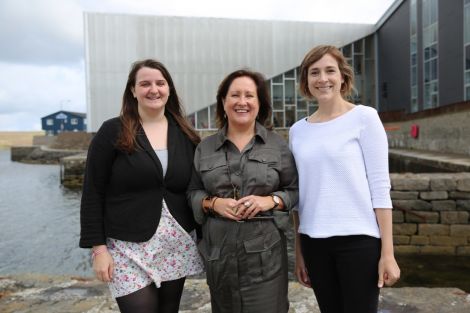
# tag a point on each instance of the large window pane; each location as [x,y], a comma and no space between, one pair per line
[212,113]
[467,57]
[290,115]
[347,51]
[278,95]
[278,119]
[277,79]
[289,91]
[203,119]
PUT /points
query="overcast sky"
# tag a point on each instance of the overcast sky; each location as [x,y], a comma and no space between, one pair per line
[42,68]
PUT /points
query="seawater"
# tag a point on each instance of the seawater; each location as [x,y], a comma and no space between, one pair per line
[39,221]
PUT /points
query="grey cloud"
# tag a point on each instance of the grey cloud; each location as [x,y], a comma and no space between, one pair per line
[41,32]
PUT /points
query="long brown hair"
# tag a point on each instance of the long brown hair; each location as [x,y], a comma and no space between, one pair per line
[130,118]
[344,68]
[264,113]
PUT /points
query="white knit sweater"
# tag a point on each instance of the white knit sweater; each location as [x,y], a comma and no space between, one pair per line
[343,173]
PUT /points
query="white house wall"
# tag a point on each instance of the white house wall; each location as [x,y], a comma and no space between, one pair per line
[198,52]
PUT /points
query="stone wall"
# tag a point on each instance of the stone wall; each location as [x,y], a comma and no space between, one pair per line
[431,213]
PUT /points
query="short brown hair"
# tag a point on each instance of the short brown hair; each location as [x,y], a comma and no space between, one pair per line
[316,54]
[264,113]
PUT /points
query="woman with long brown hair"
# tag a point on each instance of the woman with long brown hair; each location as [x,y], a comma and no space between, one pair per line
[134,213]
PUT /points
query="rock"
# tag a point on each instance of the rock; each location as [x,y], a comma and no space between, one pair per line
[44,294]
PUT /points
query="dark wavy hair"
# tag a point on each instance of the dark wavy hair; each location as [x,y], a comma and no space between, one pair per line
[130,118]
[264,114]
[344,68]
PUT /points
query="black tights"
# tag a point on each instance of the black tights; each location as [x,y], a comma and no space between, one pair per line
[151,299]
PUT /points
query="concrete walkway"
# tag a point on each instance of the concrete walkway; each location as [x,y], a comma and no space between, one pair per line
[46,294]
[447,161]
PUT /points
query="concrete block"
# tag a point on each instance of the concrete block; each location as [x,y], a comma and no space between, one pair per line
[443,205]
[463,184]
[410,182]
[438,250]
[433,195]
[398,216]
[404,195]
[463,251]
[446,184]
[405,229]
[417,205]
[454,217]
[419,240]
[459,230]
[407,249]
[447,240]
[463,205]
[459,195]
[436,229]
[402,240]
[422,217]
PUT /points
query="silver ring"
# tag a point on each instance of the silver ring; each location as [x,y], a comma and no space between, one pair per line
[247,203]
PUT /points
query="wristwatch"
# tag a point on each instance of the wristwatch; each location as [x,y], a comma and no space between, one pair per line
[277,201]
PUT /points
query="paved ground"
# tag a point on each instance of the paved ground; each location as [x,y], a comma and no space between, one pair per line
[45,294]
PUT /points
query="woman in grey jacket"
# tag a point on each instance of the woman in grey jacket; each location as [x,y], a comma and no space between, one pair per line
[243,186]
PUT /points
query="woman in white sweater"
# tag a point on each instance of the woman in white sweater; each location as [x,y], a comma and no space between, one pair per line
[344,245]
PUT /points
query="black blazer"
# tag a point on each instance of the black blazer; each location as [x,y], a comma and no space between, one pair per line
[123,193]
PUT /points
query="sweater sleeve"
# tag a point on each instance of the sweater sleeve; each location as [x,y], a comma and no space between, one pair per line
[101,154]
[374,144]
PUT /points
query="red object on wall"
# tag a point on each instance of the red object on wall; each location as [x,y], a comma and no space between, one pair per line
[414,130]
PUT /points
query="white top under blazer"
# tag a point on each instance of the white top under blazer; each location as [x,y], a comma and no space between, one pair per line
[343,173]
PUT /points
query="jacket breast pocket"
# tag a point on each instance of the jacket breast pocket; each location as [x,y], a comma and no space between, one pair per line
[214,174]
[263,167]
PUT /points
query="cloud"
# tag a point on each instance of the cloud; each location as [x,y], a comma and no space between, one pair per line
[41,31]
[29,92]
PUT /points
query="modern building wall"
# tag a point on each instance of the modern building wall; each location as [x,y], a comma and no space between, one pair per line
[451,65]
[393,42]
[198,52]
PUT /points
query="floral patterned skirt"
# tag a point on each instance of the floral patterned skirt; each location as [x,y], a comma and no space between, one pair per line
[170,254]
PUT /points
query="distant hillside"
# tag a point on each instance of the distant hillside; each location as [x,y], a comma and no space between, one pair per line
[8,139]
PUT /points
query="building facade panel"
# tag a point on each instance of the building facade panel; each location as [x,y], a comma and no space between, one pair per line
[394,61]
[198,52]
[451,82]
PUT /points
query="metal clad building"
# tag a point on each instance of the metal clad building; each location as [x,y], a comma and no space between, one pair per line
[198,52]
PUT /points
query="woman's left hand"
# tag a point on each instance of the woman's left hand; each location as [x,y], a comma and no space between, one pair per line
[251,205]
[389,272]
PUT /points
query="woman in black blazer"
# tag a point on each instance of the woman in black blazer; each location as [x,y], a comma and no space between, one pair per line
[134,213]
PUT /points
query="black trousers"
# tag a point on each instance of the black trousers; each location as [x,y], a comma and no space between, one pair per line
[343,271]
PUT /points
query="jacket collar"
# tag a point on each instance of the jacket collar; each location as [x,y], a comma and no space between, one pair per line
[260,132]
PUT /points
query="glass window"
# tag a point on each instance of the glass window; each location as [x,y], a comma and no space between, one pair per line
[74,121]
[358,46]
[212,110]
[358,64]
[301,114]
[278,119]
[347,51]
[192,119]
[203,119]
[290,115]
[289,91]
[277,79]
[49,122]
[290,74]
[467,57]
[278,95]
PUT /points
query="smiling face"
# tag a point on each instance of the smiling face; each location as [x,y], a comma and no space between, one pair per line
[325,79]
[151,90]
[241,104]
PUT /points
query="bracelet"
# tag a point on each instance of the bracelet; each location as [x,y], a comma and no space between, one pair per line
[98,251]
[205,209]
[211,208]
